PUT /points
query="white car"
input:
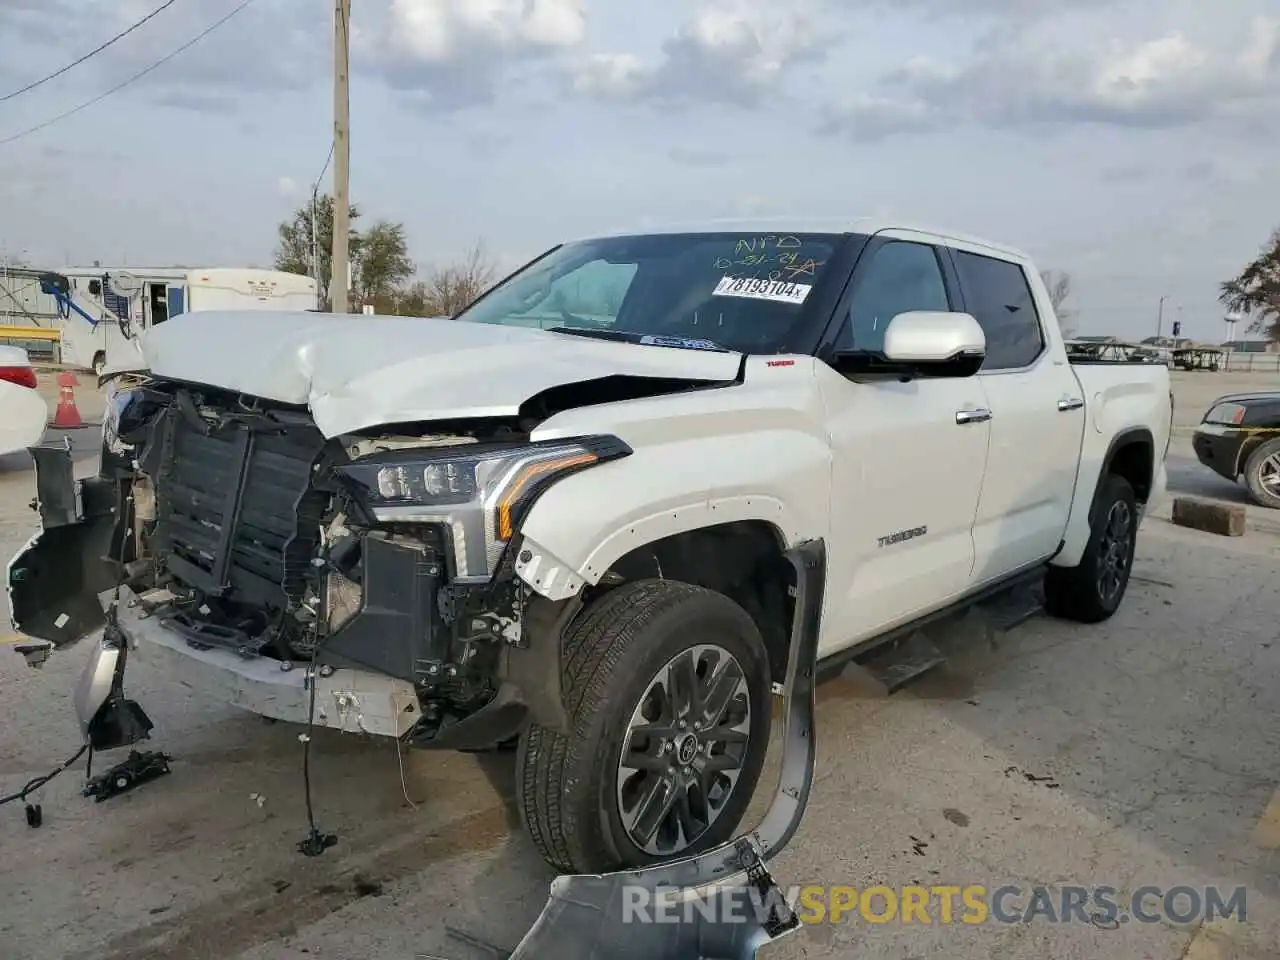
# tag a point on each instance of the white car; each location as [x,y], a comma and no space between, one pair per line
[594,532]
[23,412]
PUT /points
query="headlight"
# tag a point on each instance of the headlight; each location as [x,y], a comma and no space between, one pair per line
[1231,414]
[479,493]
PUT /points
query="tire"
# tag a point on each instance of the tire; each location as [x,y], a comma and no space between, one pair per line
[1262,474]
[576,801]
[1091,591]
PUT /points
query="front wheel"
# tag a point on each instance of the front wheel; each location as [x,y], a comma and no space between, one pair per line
[1091,591]
[667,690]
[1262,474]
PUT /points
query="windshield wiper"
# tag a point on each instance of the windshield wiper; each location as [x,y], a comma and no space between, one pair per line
[644,339]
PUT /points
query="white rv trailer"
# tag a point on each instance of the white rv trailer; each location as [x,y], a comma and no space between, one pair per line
[111,308]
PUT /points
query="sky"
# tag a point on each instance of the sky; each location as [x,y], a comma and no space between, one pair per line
[1134,144]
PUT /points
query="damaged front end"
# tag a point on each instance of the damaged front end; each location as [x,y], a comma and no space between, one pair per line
[228,533]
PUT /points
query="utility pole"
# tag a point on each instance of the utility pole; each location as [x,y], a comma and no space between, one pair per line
[340,281]
[315,247]
[1160,319]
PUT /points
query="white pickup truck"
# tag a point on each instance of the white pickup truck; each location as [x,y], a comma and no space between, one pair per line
[572,514]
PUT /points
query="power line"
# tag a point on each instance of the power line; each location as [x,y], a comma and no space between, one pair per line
[325,168]
[92,53]
[120,86]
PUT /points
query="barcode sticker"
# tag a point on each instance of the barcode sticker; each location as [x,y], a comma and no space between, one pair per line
[755,288]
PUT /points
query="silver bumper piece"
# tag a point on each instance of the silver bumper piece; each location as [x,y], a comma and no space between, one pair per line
[354,701]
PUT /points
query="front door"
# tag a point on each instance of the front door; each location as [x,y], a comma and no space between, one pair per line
[1038,415]
[907,466]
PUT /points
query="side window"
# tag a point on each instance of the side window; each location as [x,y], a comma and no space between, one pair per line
[997,294]
[901,276]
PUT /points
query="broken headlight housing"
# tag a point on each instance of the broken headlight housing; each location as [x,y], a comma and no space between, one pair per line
[119,396]
[479,493]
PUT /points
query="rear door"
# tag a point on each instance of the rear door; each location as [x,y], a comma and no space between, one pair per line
[908,459]
[1037,416]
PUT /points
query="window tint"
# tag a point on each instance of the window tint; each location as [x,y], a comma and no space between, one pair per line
[901,276]
[997,294]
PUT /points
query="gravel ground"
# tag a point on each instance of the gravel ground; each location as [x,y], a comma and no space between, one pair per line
[1145,750]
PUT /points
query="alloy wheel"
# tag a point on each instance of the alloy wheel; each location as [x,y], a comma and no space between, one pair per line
[684,749]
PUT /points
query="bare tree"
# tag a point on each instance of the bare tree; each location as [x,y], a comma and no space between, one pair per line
[1255,291]
[449,290]
[1058,283]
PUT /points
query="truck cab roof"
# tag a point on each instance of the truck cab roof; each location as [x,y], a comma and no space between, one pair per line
[819,224]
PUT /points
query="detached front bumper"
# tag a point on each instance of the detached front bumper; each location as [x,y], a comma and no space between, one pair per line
[349,700]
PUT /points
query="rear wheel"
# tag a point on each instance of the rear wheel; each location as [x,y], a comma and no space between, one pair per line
[667,690]
[1091,591]
[1262,474]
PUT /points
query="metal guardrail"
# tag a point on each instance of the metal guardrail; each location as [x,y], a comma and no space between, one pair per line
[1237,362]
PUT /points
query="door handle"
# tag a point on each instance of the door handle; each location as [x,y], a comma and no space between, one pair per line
[977,415]
[1070,403]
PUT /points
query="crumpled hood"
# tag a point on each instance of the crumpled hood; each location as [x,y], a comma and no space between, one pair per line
[360,371]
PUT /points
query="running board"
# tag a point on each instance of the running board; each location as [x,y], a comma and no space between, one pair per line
[903,656]
[895,665]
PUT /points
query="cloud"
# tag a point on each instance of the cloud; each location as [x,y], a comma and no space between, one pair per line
[1199,171]
[1025,75]
[1128,173]
[697,157]
[735,52]
[287,186]
[451,54]
[1009,10]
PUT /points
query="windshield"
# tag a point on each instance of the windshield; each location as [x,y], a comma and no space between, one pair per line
[730,290]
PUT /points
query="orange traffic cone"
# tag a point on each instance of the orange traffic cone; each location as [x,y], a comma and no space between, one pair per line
[66,416]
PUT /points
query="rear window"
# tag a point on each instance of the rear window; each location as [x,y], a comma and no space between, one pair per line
[997,294]
[743,292]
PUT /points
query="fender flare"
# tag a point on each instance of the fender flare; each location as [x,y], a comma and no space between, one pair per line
[557,579]
[1122,439]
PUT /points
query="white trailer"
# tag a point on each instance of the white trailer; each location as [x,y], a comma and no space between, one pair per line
[106,311]
[229,288]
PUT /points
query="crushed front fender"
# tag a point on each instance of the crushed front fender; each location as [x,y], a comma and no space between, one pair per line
[723,904]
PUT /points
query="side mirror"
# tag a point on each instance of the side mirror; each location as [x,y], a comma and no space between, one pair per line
[924,337]
[923,343]
[95,287]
